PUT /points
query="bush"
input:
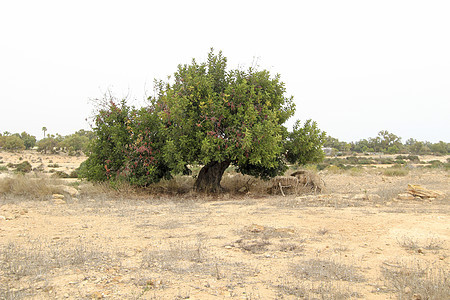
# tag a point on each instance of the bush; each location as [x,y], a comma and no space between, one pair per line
[127,146]
[60,174]
[395,171]
[23,167]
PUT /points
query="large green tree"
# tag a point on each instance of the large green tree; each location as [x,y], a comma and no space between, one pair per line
[204,115]
[217,117]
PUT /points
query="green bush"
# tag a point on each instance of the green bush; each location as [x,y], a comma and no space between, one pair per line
[23,167]
[126,146]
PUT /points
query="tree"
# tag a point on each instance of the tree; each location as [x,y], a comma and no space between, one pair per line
[28,140]
[44,129]
[12,142]
[218,118]
[206,115]
[389,142]
[50,144]
[304,144]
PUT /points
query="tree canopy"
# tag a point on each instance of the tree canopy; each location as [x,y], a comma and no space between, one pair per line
[205,115]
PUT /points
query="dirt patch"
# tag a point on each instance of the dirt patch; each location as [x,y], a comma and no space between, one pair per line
[343,243]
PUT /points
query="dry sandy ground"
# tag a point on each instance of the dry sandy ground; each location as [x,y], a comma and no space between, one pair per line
[355,240]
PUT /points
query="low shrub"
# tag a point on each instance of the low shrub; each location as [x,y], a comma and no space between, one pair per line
[23,167]
[395,171]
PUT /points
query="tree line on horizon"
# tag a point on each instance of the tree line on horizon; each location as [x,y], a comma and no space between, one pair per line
[78,144]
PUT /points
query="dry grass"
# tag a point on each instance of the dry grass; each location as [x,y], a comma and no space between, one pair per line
[326,269]
[414,244]
[417,280]
[395,171]
[29,187]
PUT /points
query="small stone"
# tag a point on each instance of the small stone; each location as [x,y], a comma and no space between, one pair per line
[405,196]
[407,290]
[58,196]
[59,201]
[417,297]
[2,218]
[228,247]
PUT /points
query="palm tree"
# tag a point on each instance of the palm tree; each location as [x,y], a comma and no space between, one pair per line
[44,129]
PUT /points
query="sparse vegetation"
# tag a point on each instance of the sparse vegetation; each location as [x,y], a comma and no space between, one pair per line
[165,240]
[417,280]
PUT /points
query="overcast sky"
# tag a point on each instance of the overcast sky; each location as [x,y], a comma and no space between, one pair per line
[355,67]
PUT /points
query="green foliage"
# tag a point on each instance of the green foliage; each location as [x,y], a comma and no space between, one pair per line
[29,141]
[78,142]
[440,148]
[214,115]
[206,115]
[11,142]
[304,144]
[48,144]
[23,167]
[127,146]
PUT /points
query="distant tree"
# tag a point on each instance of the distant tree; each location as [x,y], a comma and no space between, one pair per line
[78,142]
[44,129]
[12,142]
[440,148]
[389,142]
[28,140]
[48,144]
[304,144]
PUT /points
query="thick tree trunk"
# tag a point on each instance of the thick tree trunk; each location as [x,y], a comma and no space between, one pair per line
[209,178]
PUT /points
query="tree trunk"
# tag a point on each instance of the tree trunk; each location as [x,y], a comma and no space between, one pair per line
[209,178]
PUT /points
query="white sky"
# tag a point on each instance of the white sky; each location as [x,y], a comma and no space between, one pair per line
[355,67]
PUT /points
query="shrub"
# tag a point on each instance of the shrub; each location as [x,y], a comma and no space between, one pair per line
[395,171]
[60,174]
[23,167]
[127,146]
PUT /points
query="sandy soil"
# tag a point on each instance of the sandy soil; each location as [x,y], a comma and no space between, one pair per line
[355,240]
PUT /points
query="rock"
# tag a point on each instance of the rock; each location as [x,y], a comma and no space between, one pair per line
[419,191]
[59,201]
[405,196]
[2,218]
[57,196]
[67,189]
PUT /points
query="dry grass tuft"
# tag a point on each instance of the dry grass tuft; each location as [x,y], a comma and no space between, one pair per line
[417,280]
[318,269]
[29,187]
